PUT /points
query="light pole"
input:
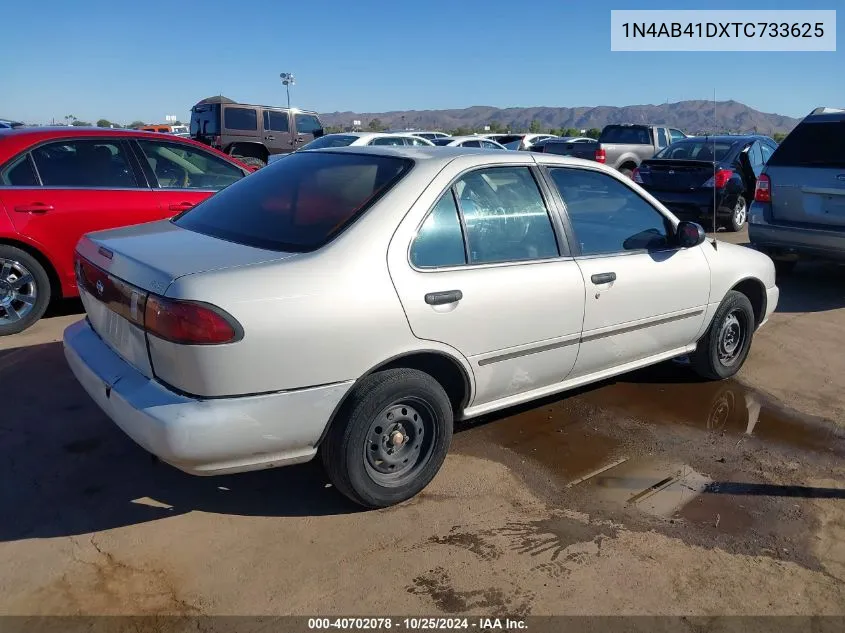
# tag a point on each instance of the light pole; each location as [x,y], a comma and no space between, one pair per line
[287,82]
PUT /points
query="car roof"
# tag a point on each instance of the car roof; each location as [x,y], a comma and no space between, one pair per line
[17,139]
[725,138]
[825,114]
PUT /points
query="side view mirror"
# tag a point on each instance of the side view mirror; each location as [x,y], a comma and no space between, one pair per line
[690,234]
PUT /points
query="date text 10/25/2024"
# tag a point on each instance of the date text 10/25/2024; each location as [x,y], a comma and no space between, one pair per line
[418,624]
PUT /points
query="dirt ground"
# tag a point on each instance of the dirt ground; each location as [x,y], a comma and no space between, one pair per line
[650,494]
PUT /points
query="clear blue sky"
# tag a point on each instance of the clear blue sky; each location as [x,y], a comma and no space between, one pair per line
[143,60]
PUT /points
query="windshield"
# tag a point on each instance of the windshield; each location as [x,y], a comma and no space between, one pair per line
[331,140]
[297,204]
[205,120]
[701,149]
[626,135]
[441,141]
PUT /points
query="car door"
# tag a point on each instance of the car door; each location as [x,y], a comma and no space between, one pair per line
[80,185]
[645,297]
[183,175]
[277,136]
[477,267]
[307,127]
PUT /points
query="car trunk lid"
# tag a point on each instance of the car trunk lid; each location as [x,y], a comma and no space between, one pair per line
[675,175]
[118,270]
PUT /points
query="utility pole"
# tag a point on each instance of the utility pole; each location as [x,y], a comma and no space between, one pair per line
[287,82]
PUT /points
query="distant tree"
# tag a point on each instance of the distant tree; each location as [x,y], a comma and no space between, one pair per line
[534,128]
[104,123]
[178,123]
[375,125]
[135,124]
[69,119]
[571,131]
[78,123]
[462,131]
[593,132]
[778,137]
[496,127]
[332,129]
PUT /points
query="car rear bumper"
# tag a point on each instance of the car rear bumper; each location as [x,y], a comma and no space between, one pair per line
[201,437]
[792,242]
[696,205]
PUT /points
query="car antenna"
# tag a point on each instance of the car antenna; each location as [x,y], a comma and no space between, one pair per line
[715,123]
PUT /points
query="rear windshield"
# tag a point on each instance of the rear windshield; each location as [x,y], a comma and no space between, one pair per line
[510,138]
[816,144]
[205,120]
[297,204]
[625,135]
[332,140]
[442,141]
[696,150]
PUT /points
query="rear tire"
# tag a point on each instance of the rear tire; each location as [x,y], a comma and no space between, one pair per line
[251,161]
[739,215]
[626,171]
[24,290]
[723,349]
[390,439]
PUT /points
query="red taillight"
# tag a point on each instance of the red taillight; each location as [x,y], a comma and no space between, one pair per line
[763,190]
[188,323]
[601,156]
[720,179]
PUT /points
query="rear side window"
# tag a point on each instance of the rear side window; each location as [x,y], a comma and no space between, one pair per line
[297,204]
[625,135]
[20,173]
[387,140]
[205,120]
[816,144]
[276,121]
[440,240]
[84,163]
[240,119]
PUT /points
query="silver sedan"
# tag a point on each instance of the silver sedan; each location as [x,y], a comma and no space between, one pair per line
[357,301]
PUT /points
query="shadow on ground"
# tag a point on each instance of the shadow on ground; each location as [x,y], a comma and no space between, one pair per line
[812,287]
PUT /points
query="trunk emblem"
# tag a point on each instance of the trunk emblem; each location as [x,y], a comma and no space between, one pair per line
[100,287]
[671,172]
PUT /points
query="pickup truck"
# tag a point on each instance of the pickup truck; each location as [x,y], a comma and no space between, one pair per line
[624,147]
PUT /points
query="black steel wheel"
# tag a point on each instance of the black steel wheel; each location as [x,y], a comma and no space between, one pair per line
[723,349]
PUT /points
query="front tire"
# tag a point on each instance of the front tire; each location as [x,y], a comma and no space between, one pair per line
[723,349]
[24,290]
[390,439]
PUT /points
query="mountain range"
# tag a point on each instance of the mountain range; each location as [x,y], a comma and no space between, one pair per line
[691,116]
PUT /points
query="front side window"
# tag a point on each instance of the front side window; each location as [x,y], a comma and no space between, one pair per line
[240,119]
[440,240]
[307,124]
[490,145]
[276,121]
[20,173]
[177,166]
[84,163]
[505,216]
[607,216]
[299,203]
[662,141]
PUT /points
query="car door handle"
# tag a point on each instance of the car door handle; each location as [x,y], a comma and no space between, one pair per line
[442,298]
[603,278]
[35,207]
[181,206]
[270,138]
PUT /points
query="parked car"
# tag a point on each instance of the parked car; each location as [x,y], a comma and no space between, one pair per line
[58,183]
[577,146]
[429,136]
[468,141]
[180,130]
[355,301]
[345,139]
[624,147]
[252,133]
[6,124]
[799,205]
[694,176]
[522,142]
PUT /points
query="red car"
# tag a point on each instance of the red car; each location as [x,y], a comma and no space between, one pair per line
[56,184]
